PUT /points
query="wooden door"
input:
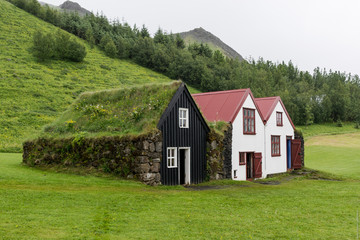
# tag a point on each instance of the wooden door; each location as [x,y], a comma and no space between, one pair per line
[257,165]
[288,152]
[296,154]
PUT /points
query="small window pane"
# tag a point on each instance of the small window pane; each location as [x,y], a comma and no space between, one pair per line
[249,121]
[183,118]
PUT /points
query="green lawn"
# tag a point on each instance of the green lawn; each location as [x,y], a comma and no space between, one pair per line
[36,204]
[337,154]
[327,129]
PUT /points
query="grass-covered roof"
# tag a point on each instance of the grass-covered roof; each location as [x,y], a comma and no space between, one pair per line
[122,111]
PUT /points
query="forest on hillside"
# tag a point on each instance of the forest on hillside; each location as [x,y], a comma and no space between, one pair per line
[318,97]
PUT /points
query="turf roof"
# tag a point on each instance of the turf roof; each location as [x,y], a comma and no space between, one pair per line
[134,110]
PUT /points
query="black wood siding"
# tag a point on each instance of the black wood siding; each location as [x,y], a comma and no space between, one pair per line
[193,137]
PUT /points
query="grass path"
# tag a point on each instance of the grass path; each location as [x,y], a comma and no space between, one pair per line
[35,204]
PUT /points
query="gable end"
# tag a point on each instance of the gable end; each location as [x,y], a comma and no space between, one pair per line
[182,90]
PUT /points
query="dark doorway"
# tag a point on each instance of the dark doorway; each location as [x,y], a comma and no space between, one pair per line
[249,165]
[182,165]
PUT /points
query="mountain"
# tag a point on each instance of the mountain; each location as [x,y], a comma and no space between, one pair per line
[69,6]
[50,5]
[200,35]
[34,93]
[75,7]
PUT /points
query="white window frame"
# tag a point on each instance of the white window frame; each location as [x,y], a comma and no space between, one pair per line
[182,118]
[169,158]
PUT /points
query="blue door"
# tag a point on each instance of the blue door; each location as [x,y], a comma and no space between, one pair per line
[288,152]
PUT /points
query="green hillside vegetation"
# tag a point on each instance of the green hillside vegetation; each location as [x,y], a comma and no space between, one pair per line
[123,111]
[34,93]
[318,97]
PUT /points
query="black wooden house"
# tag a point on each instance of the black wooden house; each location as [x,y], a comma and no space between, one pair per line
[184,133]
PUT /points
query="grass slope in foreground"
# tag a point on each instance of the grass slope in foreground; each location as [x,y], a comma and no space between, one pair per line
[337,154]
[36,204]
[33,94]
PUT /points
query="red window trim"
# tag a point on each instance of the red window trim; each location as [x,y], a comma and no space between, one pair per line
[281,123]
[273,142]
[253,118]
[243,158]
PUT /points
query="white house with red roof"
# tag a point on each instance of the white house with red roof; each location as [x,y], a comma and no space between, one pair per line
[278,133]
[239,108]
[260,129]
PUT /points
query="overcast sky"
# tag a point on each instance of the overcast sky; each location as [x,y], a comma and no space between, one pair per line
[310,33]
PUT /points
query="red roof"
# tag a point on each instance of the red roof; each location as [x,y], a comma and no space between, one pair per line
[267,105]
[222,105]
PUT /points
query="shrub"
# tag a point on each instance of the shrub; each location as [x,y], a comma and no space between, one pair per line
[74,51]
[59,46]
[43,46]
[339,123]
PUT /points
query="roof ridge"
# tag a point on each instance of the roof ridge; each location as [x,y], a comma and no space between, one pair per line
[221,92]
[264,98]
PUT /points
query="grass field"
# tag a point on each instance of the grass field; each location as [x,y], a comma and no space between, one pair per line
[33,94]
[36,204]
[327,129]
[338,154]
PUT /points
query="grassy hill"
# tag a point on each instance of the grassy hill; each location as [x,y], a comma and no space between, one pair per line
[33,94]
[200,35]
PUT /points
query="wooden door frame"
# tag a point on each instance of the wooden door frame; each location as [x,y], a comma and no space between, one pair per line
[187,163]
[252,165]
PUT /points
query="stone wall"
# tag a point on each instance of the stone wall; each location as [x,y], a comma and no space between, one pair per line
[129,157]
[228,152]
[219,154]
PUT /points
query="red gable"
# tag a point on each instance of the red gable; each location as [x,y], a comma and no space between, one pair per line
[222,105]
[267,105]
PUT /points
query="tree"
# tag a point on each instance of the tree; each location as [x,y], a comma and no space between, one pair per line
[33,7]
[121,46]
[43,46]
[89,36]
[144,32]
[110,49]
[160,37]
[180,43]
[218,57]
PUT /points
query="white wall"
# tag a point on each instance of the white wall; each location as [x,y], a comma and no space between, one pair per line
[246,143]
[278,164]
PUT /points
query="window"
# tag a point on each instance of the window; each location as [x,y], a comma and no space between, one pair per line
[183,118]
[279,121]
[241,158]
[275,146]
[171,157]
[249,121]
